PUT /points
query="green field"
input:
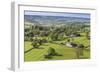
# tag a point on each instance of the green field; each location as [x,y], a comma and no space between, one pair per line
[56,36]
[34,54]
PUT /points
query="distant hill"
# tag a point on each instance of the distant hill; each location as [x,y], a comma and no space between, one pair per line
[52,20]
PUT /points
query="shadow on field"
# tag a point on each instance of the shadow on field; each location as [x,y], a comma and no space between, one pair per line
[84,58]
[33,48]
[28,50]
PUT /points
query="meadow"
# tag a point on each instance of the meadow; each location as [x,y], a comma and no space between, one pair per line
[65,36]
[68,53]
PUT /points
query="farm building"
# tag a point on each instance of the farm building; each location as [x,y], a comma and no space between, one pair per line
[71,44]
[75,35]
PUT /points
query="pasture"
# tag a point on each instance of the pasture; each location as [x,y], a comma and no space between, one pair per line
[60,36]
[34,54]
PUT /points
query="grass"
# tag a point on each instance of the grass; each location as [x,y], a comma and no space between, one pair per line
[82,40]
[67,52]
[38,54]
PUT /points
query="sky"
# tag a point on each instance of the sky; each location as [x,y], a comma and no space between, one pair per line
[65,14]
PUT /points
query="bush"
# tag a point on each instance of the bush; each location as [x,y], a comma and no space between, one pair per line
[48,56]
[51,51]
[62,43]
[81,46]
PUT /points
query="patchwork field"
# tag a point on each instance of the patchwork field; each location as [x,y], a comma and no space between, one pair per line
[33,54]
[56,36]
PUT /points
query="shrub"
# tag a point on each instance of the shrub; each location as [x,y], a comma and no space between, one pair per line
[48,56]
[51,51]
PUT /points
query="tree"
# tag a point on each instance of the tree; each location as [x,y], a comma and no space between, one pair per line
[40,41]
[79,50]
[35,43]
[77,53]
[54,36]
[87,35]
[51,51]
[31,39]
[68,40]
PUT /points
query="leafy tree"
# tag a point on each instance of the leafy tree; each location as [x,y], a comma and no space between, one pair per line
[35,43]
[68,40]
[40,41]
[87,35]
[31,39]
[79,50]
[51,51]
[54,36]
[77,53]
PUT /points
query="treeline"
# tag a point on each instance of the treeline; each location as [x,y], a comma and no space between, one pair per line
[55,32]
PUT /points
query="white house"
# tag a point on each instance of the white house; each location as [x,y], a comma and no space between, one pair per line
[71,44]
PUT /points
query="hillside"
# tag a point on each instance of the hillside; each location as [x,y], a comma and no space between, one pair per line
[51,20]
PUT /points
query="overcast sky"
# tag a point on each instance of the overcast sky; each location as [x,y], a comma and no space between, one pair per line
[80,15]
